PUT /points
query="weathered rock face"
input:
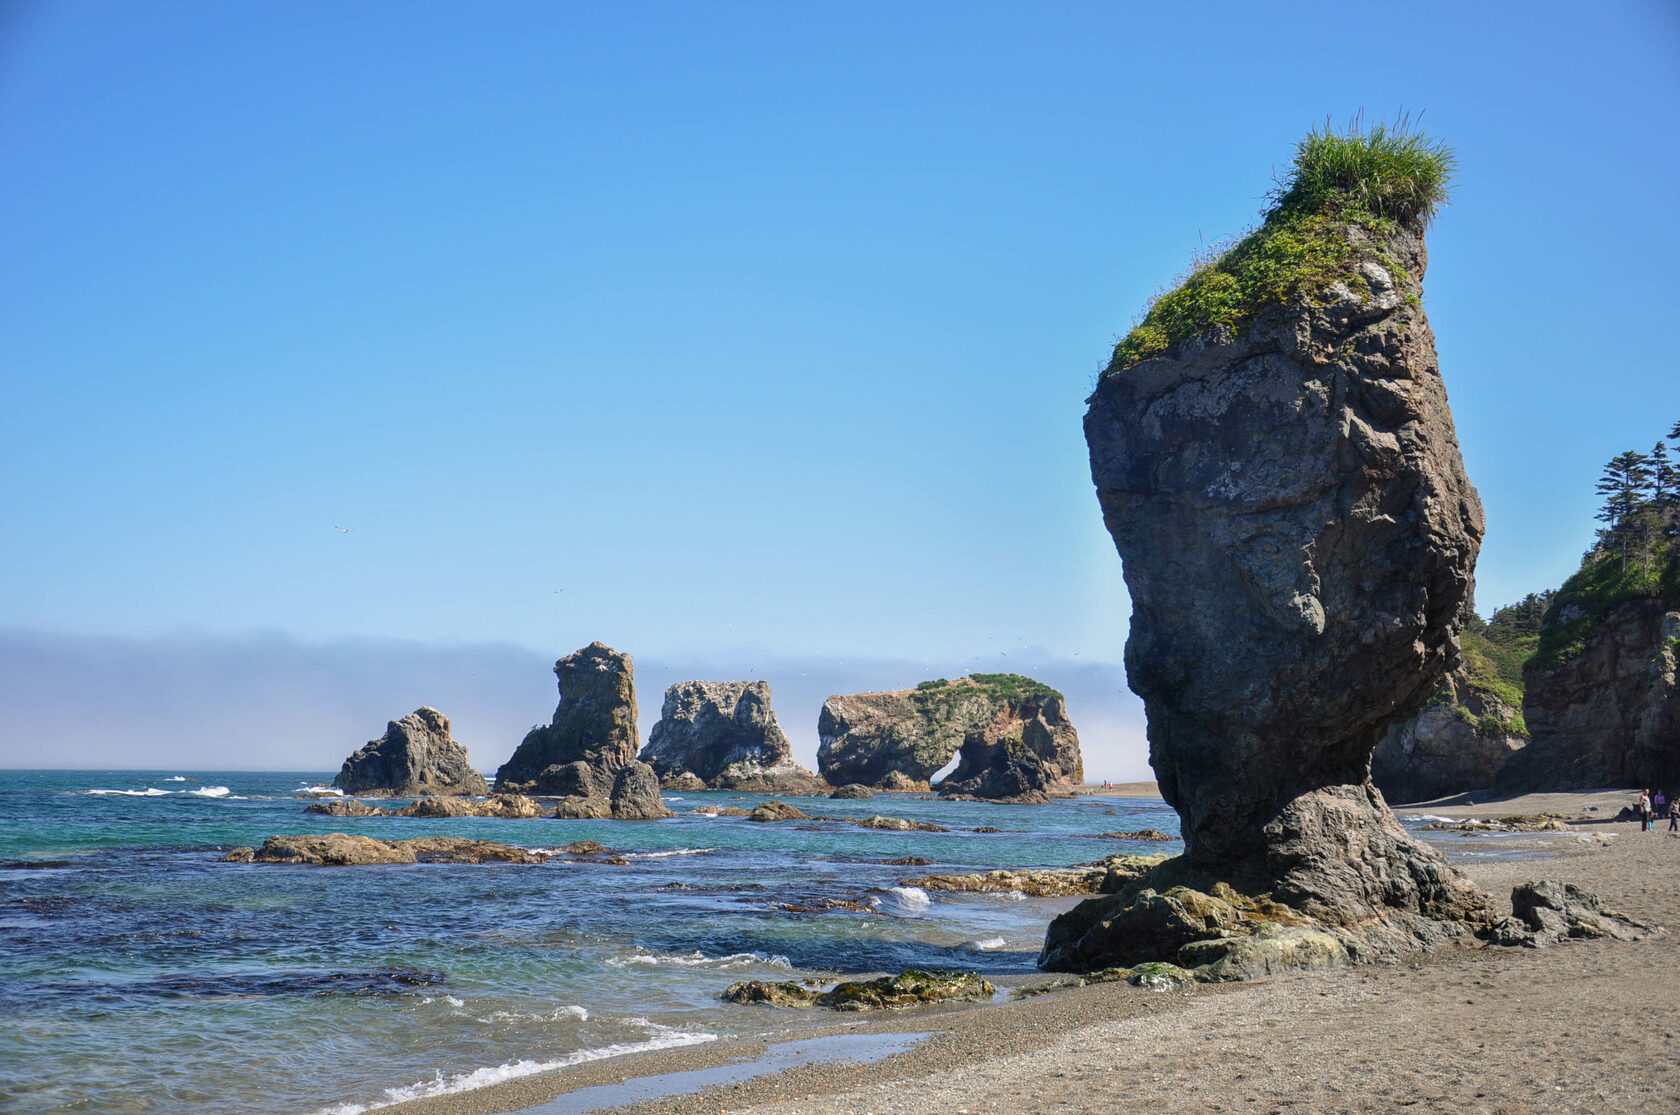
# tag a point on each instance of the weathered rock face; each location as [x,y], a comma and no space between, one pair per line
[1610,715]
[414,756]
[1012,732]
[1299,538]
[635,795]
[1028,751]
[595,722]
[1457,743]
[725,734]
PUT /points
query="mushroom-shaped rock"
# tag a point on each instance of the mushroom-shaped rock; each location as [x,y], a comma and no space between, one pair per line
[595,722]
[415,756]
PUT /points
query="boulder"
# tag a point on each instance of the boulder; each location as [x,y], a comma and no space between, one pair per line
[577,808]
[684,780]
[776,811]
[725,734]
[1298,537]
[1458,743]
[415,756]
[853,791]
[1011,730]
[595,722]
[635,795]
[564,780]
[897,782]
[1546,912]
[898,824]
[1604,707]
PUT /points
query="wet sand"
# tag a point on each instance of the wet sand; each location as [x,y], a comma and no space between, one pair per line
[1581,1026]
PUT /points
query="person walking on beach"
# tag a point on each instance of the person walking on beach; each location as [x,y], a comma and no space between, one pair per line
[1674,815]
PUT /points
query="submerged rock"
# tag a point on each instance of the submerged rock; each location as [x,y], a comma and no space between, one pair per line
[725,735]
[1014,737]
[594,724]
[776,811]
[336,849]
[912,988]
[1298,537]
[415,756]
[897,824]
[346,807]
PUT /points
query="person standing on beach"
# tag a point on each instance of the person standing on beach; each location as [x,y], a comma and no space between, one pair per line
[1674,815]
[1644,810]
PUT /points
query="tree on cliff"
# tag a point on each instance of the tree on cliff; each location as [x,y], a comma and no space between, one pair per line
[1626,488]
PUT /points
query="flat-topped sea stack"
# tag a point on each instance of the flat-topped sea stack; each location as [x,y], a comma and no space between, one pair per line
[1014,736]
[1276,462]
[415,756]
[594,725]
[725,735]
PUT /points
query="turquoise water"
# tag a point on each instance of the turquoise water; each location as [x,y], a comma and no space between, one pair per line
[139,973]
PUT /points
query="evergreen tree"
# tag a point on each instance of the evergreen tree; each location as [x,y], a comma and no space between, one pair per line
[1664,479]
[1626,488]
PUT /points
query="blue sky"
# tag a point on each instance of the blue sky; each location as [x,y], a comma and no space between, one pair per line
[762,330]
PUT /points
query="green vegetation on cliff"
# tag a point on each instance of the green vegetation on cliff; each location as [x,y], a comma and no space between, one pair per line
[1002,687]
[1375,180]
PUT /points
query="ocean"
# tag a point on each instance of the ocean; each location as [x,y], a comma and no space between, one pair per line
[139,973]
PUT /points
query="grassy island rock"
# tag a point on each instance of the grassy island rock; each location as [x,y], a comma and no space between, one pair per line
[1013,734]
[723,735]
[415,756]
[1275,459]
[594,724]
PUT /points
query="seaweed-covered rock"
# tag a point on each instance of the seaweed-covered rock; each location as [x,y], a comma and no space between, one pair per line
[1104,877]
[911,988]
[415,756]
[1298,537]
[725,734]
[346,807]
[635,795]
[776,811]
[595,722]
[336,849]
[1012,731]
[898,824]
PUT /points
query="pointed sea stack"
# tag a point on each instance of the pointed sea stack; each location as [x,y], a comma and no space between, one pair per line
[594,724]
[1277,465]
[414,756]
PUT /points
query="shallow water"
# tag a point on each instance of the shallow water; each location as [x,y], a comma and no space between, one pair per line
[139,973]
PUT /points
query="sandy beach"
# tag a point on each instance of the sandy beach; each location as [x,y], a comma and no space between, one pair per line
[1582,1026]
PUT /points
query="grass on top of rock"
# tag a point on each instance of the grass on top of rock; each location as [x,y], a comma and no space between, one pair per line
[1003,687]
[1375,178]
[1604,580]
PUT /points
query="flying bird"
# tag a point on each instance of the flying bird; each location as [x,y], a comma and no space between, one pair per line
[343,530]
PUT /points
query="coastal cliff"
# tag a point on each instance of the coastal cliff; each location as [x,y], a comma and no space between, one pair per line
[592,736]
[1001,722]
[1276,462]
[724,734]
[415,756]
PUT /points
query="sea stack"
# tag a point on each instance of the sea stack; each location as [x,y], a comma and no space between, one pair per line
[594,725]
[1014,737]
[415,756]
[1276,462]
[724,735]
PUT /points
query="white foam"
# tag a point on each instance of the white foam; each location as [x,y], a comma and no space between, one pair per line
[699,959]
[904,902]
[175,778]
[666,855]
[210,792]
[990,944]
[559,1013]
[660,1037]
[148,792]
[318,790]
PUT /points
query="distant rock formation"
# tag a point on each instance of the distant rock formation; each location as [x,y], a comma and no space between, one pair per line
[1298,537]
[336,849]
[1605,711]
[635,797]
[725,734]
[595,723]
[1458,743]
[1012,732]
[414,756]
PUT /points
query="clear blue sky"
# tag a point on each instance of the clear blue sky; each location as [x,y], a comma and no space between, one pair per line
[758,328]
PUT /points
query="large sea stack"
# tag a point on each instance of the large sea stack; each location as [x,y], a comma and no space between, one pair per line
[415,756]
[1277,465]
[725,735]
[594,725]
[1013,734]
